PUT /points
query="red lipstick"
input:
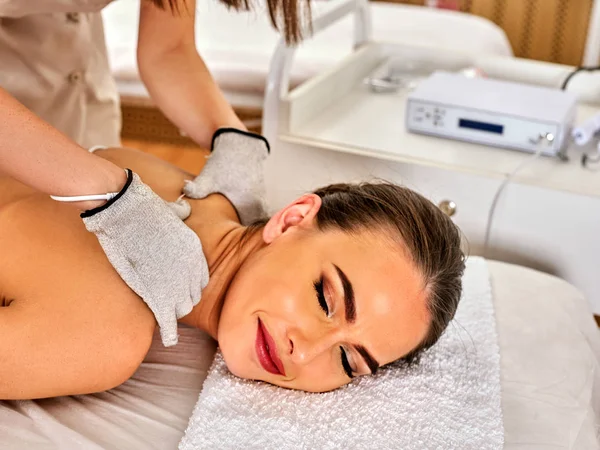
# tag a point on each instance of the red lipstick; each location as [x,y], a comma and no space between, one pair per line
[266,350]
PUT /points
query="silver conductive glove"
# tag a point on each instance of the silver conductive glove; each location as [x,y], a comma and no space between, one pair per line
[235,169]
[154,252]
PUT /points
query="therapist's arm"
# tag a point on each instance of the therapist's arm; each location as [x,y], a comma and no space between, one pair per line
[175,75]
[36,154]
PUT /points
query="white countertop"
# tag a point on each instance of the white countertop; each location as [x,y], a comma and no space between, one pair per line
[372,124]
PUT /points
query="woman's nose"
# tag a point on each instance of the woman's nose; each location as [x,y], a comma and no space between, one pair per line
[305,347]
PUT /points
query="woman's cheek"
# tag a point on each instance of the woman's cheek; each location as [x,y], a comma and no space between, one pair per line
[292,304]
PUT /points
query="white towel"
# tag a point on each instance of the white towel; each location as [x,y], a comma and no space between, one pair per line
[451,400]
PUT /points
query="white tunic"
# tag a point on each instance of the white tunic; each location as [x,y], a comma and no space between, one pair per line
[53,60]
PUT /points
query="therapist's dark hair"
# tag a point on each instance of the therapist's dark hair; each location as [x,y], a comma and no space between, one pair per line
[286,15]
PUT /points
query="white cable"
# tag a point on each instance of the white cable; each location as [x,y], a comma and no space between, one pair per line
[509,178]
[84,198]
[97,147]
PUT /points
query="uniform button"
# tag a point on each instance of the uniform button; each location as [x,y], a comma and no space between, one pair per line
[75,77]
[73,17]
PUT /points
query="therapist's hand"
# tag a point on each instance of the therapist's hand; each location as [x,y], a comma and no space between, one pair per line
[155,253]
[235,169]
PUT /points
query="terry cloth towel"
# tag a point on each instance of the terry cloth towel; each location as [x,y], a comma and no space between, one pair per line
[451,400]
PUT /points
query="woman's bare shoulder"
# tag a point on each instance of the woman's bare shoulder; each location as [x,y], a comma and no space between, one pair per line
[11,190]
[167,181]
[71,324]
[163,177]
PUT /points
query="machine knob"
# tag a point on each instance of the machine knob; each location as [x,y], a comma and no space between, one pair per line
[448,207]
[548,137]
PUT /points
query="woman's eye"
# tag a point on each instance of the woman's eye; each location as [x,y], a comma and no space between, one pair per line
[321,296]
[346,363]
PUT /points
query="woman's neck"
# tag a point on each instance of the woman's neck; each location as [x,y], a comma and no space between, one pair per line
[226,246]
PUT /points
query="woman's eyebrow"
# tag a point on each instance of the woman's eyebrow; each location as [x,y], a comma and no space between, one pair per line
[371,362]
[349,302]
[350,307]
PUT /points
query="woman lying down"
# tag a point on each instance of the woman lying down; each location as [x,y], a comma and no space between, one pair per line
[338,283]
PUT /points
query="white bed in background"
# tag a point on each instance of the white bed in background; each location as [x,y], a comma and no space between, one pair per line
[237,47]
[550,379]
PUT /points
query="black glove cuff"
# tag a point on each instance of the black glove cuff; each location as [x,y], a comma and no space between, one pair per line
[221,131]
[91,212]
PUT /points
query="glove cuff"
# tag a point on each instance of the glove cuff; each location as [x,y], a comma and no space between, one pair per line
[94,211]
[222,131]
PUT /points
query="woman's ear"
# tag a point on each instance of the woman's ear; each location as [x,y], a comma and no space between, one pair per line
[300,213]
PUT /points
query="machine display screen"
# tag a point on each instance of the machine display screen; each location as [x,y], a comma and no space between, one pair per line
[481,126]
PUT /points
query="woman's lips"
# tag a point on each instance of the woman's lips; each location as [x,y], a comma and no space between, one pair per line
[266,351]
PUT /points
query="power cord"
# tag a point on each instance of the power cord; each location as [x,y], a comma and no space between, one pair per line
[575,72]
[507,180]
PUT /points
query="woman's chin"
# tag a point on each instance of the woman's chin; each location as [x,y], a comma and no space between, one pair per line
[235,364]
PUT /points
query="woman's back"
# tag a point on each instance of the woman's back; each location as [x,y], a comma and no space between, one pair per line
[79,324]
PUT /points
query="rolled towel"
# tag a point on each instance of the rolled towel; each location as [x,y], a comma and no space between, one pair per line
[450,400]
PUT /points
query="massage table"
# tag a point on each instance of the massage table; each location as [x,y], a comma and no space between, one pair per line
[550,381]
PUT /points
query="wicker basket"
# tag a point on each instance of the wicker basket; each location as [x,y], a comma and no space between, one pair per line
[148,123]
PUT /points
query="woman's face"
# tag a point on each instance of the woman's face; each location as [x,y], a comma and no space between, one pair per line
[312,308]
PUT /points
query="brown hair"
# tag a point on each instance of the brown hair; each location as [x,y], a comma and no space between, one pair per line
[432,239]
[286,14]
